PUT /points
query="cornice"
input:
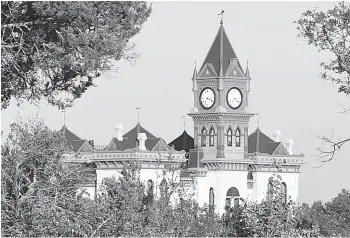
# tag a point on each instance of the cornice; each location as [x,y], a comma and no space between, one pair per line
[200,116]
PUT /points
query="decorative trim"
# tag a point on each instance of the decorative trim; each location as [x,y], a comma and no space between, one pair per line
[237,83]
[208,81]
[222,116]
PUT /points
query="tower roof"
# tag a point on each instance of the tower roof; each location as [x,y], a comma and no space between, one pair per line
[183,142]
[220,50]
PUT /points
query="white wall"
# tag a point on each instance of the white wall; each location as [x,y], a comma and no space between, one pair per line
[155,174]
[222,181]
[291,180]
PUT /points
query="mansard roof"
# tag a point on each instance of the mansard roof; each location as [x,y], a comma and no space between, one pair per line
[258,142]
[221,49]
[183,142]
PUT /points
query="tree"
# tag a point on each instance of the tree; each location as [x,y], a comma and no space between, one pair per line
[52,47]
[332,218]
[330,32]
[38,190]
[270,218]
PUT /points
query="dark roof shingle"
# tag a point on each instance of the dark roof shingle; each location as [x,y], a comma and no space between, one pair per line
[261,143]
[228,53]
[183,142]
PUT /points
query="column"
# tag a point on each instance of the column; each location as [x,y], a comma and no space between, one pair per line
[195,135]
[246,142]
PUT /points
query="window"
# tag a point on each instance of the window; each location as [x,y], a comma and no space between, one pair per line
[232,195]
[164,189]
[229,137]
[269,191]
[204,137]
[211,197]
[211,137]
[236,202]
[250,179]
[284,192]
[148,198]
[238,138]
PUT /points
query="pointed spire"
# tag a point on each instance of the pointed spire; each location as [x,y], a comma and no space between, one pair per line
[221,49]
[194,76]
[247,74]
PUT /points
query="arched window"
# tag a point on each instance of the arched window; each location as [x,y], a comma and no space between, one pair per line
[211,137]
[164,189]
[284,192]
[204,137]
[148,198]
[232,194]
[229,137]
[211,197]
[238,138]
[269,191]
[250,179]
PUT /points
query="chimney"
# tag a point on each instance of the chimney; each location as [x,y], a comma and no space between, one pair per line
[290,146]
[119,130]
[142,141]
[277,136]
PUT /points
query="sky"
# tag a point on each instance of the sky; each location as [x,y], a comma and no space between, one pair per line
[286,88]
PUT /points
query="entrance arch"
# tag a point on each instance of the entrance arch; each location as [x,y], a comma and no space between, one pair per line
[232,195]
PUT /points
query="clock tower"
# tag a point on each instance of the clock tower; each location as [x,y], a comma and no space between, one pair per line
[220,88]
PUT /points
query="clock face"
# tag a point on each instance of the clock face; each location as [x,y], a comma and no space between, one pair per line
[207,98]
[234,98]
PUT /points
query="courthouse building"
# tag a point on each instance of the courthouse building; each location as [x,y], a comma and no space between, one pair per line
[223,161]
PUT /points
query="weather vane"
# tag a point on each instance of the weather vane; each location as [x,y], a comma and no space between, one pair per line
[222,16]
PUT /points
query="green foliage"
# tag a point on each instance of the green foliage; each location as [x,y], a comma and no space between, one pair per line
[53,47]
[330,31]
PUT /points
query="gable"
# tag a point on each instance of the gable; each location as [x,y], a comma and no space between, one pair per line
[235,71]
[280,150]
[207,71]
[86,147]
[161,146]
[112,146]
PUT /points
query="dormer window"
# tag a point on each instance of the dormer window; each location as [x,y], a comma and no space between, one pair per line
[238,138]
[229,137]
[211,137]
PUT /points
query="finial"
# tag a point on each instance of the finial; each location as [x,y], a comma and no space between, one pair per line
[138,114]
[184,117]
[222,16]
[247,74]
[64,116]
[194,76]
